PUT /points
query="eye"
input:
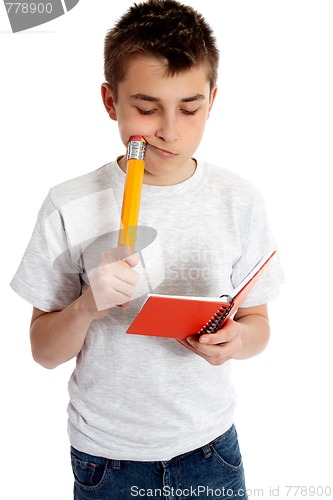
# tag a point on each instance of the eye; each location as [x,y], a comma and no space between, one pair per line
[190,113]
[146,112]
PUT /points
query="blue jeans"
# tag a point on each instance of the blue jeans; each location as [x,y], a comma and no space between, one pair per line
[214,471]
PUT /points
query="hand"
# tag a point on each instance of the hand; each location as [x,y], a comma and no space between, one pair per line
[113,282]
[219,347]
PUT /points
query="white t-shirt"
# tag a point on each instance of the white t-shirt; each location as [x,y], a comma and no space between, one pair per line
[135,397]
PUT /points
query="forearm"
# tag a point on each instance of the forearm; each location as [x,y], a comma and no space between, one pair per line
[57,337]
[254,334]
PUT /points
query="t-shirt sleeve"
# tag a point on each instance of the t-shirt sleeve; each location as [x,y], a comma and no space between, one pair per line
[47,276]
[259,241]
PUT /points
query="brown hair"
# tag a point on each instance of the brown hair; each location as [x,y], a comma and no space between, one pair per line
[165,29]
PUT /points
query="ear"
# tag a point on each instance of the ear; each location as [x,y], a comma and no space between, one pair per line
[108,101]
[212,99]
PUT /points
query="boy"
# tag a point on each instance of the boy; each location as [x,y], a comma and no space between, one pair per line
[149,416]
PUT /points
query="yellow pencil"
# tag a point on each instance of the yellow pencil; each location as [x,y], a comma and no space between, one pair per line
[132,191]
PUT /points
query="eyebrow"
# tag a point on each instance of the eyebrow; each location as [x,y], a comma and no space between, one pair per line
[149,98]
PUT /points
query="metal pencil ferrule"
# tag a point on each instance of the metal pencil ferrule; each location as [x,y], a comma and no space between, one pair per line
[136,150]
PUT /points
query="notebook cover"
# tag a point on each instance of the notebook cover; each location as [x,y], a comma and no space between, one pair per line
[173,317]
[180,317]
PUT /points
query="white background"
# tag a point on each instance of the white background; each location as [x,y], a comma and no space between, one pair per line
[272,122]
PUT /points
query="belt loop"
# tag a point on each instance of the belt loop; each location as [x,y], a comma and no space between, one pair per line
[207,451]
[115,464]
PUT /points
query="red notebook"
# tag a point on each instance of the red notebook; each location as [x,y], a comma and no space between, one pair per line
[180,316]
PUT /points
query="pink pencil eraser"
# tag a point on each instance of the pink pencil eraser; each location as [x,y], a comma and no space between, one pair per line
[136,138]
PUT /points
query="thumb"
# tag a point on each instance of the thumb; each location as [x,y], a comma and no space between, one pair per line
[132,260]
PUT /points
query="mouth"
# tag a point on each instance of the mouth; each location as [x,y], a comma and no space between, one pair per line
[163,152]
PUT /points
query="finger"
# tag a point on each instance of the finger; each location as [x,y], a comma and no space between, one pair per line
[121,287]
[215,355]
[227,333]
[190,348]
[125,274]
[108,291]
[106,301]
[121,253]
[108,257]
[132,260]
[185,344]
[207,350]
[210,351]
[214,338]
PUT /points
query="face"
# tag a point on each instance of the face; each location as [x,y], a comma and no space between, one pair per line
[169,112]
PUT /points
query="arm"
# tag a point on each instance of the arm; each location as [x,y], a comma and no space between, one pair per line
[243,337]
[57,337]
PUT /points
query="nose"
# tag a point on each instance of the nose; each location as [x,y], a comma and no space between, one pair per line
[167,128]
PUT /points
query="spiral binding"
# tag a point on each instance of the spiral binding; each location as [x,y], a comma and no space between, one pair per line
[215,321]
